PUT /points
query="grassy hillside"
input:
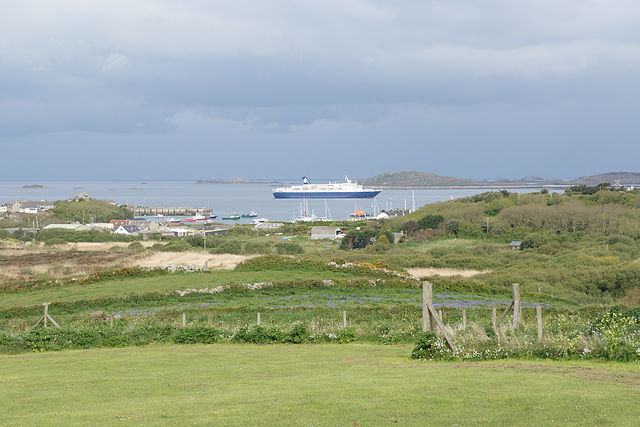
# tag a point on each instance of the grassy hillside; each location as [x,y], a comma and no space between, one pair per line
[625,178]
[86,210]
[409,179]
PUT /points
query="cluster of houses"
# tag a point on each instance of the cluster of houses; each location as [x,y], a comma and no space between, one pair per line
[131,227]
[27,206]
[136,227]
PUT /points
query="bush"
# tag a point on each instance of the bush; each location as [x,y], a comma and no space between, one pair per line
[288,248]
[55,241]
[430,221]
[259,335]
[425,347]
[298,334]
[197,335]
[257,248]
[135,247]
[177,246]
[228,247]
[346,335]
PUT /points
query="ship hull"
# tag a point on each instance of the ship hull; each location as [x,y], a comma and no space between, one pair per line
[326,194]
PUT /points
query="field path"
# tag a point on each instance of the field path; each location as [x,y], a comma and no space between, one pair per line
[215,261]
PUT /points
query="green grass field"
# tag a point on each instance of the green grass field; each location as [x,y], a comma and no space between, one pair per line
[307,385]
[165,283]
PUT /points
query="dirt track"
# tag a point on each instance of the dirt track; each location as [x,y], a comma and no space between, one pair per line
[79,258]
[215,262]
[426,272]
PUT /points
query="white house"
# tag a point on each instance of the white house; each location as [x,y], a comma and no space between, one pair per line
[176,231]
[27,206]
[129,230]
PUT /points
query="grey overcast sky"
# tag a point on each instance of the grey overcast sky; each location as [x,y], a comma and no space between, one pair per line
[190,89]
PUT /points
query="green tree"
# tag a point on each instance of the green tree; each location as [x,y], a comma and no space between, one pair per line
[430,222]
[409,227]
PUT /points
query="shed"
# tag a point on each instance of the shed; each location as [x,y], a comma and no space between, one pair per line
[70,227]
[323,232]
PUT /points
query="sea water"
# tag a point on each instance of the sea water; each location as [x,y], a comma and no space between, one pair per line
[225,199]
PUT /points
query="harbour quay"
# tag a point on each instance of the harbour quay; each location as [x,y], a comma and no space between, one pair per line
[139,210]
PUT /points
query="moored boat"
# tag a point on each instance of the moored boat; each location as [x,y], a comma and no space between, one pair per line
[194,218]
[360,214]
[234,216]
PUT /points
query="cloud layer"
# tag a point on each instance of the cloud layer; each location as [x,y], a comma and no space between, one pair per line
[484,89]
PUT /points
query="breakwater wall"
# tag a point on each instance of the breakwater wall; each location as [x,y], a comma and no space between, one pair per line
[167,210]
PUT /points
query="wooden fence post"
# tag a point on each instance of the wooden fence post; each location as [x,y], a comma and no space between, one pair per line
[517,307]
[464,319]
[493,317]
[45,317]
[439,323]
[428,323]
[111,320]
[184,319]
[344,319]
[539,321]
[258,318]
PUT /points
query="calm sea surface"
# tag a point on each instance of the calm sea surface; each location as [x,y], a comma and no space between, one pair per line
[225,199]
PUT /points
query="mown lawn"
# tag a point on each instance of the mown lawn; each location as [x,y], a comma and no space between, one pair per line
[307,385]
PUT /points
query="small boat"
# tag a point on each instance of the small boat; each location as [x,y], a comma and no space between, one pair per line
[233,217]
[252,214]
[258,220]
[194,218]
[212,216]
[360,214]
[173,220]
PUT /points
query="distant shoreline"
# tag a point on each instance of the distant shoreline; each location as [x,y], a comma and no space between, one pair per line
[236,181]
[477,187]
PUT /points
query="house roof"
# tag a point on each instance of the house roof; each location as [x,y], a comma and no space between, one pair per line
[28,204]
[129,228]
[323,229]
[76,227]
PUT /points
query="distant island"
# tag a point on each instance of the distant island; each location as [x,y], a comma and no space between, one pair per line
[414,179]
[409,179]
[34,186]
[237,181]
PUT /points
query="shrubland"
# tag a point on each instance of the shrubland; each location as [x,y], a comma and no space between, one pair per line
[577,255]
